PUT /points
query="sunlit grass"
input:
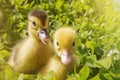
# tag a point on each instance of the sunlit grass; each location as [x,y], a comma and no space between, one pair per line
[97,24]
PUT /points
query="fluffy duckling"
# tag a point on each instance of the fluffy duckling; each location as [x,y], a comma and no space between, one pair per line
[64,60]
[33,52]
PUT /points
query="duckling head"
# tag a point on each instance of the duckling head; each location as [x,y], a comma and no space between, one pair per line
[64,44]
[38,26]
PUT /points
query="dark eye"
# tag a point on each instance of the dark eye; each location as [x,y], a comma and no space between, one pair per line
[34,23]
[73,44]
[57,44]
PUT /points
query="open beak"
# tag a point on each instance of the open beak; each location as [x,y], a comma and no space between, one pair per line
[44,36]
[66,57]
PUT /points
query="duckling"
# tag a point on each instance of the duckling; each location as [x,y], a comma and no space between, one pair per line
[65,59]
[34,51]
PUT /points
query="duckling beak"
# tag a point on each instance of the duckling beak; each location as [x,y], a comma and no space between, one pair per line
[66,57]
[44,36]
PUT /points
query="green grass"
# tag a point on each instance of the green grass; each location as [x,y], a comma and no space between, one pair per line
[97,24]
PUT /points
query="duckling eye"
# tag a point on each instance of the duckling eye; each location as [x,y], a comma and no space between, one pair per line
[73,44]
[57,44]
[34,23]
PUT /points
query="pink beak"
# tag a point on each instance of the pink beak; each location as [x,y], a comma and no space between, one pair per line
[66,57]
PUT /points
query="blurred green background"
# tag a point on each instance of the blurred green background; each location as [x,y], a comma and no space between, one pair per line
[97,24]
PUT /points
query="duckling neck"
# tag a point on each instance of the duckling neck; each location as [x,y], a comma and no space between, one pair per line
[34,39]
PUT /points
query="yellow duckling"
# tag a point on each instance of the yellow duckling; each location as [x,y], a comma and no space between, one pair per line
[33,52]
[64,60]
